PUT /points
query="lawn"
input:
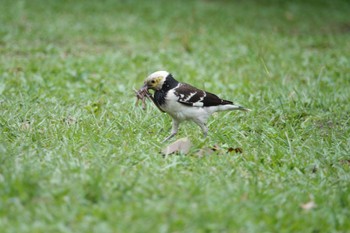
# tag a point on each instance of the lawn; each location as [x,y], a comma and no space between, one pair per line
[77,155]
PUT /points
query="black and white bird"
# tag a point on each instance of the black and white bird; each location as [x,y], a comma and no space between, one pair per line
[185,102]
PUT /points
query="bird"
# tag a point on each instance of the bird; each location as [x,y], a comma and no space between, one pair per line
[184,102]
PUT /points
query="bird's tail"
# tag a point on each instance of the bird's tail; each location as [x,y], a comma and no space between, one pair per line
[243,109]
[230,107]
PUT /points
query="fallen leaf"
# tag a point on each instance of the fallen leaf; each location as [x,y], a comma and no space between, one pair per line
[215,148]
[237,150]
[308,205]
[205,151]
[182,146]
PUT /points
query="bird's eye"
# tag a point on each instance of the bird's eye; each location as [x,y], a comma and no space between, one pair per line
[153,81]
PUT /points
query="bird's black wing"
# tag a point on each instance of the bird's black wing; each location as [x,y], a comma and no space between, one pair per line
[191,96]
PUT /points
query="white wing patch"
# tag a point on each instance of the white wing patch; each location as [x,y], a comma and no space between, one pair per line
[188,97]
[202,98]
[198,104]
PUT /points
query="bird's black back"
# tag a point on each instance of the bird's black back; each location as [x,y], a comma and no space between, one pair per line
[189,95]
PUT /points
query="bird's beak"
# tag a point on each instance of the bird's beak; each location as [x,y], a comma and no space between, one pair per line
[144,87]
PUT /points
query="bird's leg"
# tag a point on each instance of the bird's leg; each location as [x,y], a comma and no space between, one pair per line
[203,127]
[173,130]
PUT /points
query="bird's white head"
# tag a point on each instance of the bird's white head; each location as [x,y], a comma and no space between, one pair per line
[156,80]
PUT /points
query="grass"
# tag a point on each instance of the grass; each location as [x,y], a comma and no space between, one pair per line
[78,156]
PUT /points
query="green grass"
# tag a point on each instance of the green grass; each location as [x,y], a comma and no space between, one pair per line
[76,155]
